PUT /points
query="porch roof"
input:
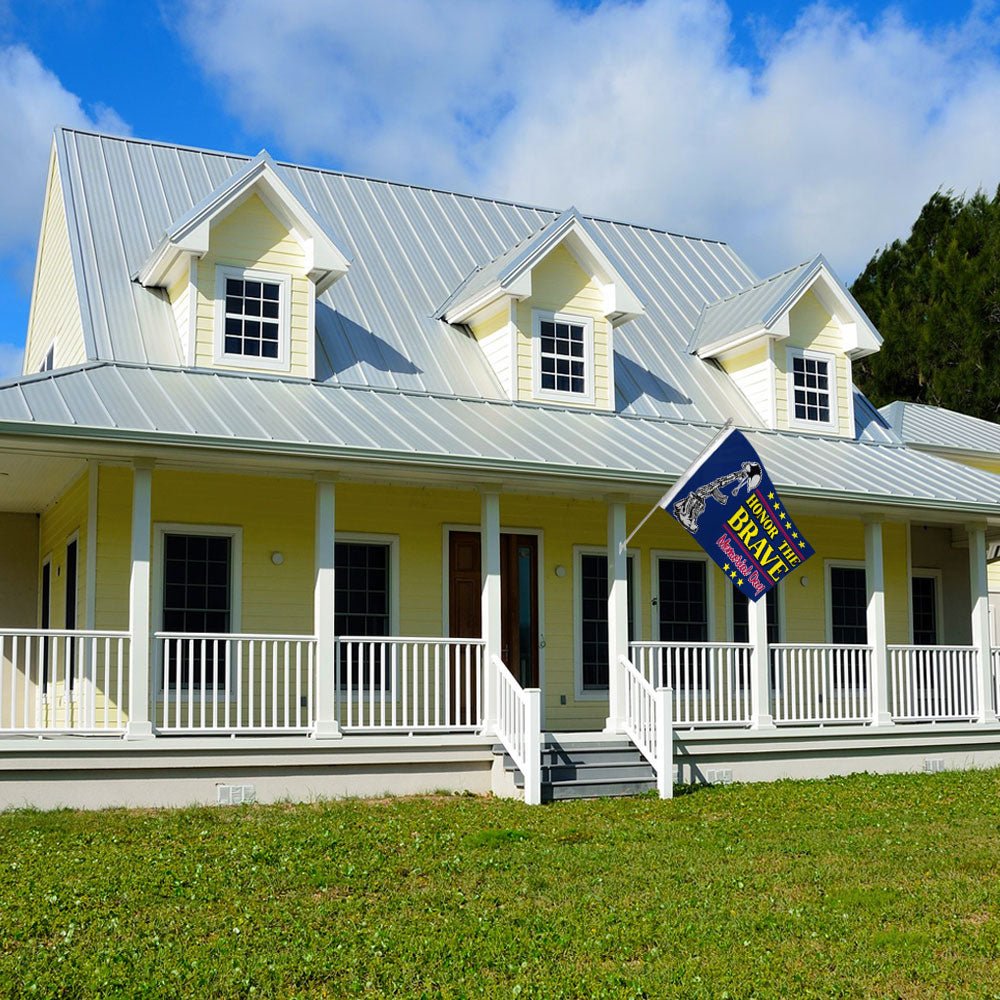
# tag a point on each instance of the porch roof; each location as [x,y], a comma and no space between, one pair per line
[923,426]
[145,405]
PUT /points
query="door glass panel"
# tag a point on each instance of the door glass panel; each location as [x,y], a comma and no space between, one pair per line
[924,611]
[524,616]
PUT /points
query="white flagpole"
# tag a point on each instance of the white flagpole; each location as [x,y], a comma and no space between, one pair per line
[672,492]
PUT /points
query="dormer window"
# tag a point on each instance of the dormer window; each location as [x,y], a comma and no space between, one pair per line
[563,349]
[811,377]
[252,318]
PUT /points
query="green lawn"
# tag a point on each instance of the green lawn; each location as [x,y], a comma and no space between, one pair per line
[858,887]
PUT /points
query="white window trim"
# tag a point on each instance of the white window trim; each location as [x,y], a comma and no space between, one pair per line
[800,352]
[235,533]
[555,395]
[282,362]
[829,564]
[580,693]
[937,577]
[656,555]
[48,358]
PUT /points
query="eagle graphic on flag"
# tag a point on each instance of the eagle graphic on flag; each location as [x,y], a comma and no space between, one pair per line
[727,501]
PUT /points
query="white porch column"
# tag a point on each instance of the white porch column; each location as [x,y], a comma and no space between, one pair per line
[617,614]
[760,666]
[489,526]
[981,622]
[139,726]
[875,583]
[327,726]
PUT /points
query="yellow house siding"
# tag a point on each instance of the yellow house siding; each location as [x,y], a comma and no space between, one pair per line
[68,515]
[811,327]
[752,372]
[19,571]
[493,334]
[252,237]
[559,284]
[55,305]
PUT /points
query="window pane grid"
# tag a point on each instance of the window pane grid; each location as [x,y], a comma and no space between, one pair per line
[924,611]
[741,612]
[594,618]
[683,600]
[361,604]
[811,389]
[196,599]
[563,367]
[848,605]
[252,318]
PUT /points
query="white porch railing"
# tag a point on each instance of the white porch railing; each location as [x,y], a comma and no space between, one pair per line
[647,724]
[519,720]
[815,684]
[410,684]
[234,683]
[933,683]
[710,681]
[63,681]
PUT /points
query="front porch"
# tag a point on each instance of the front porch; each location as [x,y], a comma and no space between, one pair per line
[129,687]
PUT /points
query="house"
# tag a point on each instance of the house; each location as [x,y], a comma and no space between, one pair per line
[315,484]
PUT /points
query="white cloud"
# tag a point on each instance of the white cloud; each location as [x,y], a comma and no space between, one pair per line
[636,110]
[34,102]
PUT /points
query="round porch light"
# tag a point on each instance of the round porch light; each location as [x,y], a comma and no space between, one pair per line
[560,571]
[277,558]
[804,580]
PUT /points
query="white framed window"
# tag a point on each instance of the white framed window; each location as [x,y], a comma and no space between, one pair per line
[366,601]
[197,590]
[252,318]
[846,603]
[562,356]
[812,389]
[739,615]
[590,618]
[682,597]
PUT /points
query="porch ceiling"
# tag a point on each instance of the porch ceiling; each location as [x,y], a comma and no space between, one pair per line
[29,483]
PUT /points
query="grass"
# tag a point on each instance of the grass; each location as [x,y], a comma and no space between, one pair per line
[857,887]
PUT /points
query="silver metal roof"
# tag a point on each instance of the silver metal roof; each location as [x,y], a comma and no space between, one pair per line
[756,306]
[926,426]
[172,406]
[411,247]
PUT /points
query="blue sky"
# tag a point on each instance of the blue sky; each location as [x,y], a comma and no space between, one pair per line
[783,128]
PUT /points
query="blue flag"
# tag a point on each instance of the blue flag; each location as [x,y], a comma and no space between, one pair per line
[728,502]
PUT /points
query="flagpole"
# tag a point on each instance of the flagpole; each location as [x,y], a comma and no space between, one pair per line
[669,495]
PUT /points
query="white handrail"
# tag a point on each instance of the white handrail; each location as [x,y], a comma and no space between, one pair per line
[933,683]
[648,724]
[519,713]
[217,682]
[409,683]
[710,681]
[63,681]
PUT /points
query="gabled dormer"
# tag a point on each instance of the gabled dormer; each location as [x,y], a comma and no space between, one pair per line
[788,342]
[544,312]
[242,270]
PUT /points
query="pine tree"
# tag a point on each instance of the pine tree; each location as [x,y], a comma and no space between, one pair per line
[935,298]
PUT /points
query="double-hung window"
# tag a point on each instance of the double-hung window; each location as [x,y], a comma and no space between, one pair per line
[563,356]
[811,391]
[592,612]
[848,605]
[741,616]
[198,599]
[364,573]
[252,318]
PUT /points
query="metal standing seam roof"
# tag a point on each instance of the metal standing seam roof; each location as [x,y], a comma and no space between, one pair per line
[922,425]
[410,248]
[135,403]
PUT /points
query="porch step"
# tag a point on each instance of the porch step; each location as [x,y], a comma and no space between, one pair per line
[588,770]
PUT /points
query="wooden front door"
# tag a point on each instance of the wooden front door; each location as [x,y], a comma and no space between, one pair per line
[518,598]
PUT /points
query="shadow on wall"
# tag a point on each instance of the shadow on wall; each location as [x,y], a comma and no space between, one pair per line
[632,382]
[343,344]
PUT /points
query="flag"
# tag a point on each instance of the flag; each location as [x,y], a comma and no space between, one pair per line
[728,503]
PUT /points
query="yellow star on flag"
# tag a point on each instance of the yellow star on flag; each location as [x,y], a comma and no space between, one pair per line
[795,534]
[770,496]
[802,544]
[725,568]
[739,583]
[733,574]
